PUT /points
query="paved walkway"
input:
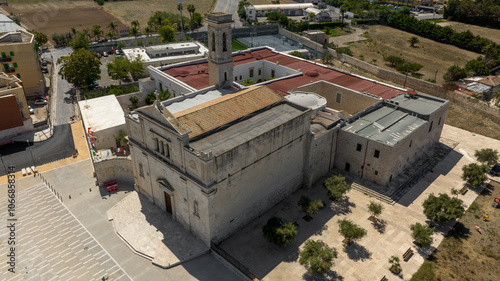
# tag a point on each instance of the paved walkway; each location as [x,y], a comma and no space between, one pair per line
[356,36]
[150,232]
[368,259]
[51,244]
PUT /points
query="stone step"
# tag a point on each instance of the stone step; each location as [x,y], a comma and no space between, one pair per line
[372,193]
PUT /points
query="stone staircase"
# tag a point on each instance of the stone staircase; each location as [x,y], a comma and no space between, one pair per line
[372,193]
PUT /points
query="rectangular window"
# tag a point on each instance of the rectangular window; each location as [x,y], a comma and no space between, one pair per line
[339,97]
[15,64]
[439,122]
[411,143]
[235,78]
[157,145]
[260,71]
[251,72]
[162,148]
[4,55]
[6,66]
[240,77]
[273,73]
[358,147]
[376,172]
[376,154]
[18,76]
[167,151]
[430,127]
[347,166]
[11,54]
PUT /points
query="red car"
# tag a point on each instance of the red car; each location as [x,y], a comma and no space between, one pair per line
[40,97]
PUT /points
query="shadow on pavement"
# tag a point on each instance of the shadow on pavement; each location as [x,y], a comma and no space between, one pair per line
[328,276]
[357,252]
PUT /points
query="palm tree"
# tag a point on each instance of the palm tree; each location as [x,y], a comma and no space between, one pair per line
[342,11]
[134,31]
[136,23]
[73,32]
[112,27]
[191,9]
[148,30]
[96,31]
[111,35]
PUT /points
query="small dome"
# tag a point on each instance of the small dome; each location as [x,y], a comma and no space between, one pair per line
[309,100]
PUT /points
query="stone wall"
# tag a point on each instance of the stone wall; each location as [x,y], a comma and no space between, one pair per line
[259,30]
[302,40]
[124,100]
[119,169]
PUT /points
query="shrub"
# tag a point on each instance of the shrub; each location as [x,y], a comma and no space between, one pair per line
[344,50]
[474,174]
[309,206]
[336,187]
[297,54]
[443,208]
[317,257]
[422,234]
[487,156]
[395,265]
[351,231]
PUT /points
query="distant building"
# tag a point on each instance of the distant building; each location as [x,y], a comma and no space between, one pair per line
[254,11]
[315,35]
[218,154]
[8,25]
[15,117]
[163,54]
[492,81]
[319,15]
[19,57]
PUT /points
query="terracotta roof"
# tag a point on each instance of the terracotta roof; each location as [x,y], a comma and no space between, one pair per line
[196,76]
[213,114]
[490,80]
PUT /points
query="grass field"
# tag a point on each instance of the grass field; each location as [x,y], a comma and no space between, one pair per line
[235,45]
[390,41]
[466,254]
[490,33]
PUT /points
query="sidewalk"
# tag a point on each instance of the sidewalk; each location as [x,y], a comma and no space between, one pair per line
[35,136]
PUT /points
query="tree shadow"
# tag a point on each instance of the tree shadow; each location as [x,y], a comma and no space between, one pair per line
[342,206]
[459,231]
[379,225]
[328,276]
[488,190]
[320,231]
[425,251]
[357,252]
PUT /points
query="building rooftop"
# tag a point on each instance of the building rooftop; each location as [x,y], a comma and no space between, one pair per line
[101,113]
[490,80]
[7,25]
[246,130]
[195,74]
[283,6]
[204,117]
[386,125]
[173,52]
[420,103]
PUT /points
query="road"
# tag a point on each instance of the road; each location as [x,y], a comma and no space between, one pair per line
[230,7]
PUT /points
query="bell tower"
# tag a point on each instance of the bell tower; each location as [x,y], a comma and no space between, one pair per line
[220,58]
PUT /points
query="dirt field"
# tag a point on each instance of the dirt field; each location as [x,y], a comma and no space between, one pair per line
[59,16]
[391,41]
[490,33]
[128,11]
[466,254]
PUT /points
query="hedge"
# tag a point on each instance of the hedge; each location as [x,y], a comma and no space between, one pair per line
[322,25]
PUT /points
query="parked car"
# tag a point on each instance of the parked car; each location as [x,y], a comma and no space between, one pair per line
[117,52]
[40,97]
[31,110]
[102,40]
[40,102]
[104,54]
[45,70]
[44,63]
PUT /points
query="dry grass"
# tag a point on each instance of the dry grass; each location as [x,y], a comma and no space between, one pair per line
[141,10]
[390,41]
[490,33]
[263,2]
[472,122]
[466,254]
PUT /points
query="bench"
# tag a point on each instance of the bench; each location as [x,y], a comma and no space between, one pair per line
[384,279]
[408,254]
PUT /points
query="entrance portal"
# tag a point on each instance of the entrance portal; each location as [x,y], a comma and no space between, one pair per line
[168,203]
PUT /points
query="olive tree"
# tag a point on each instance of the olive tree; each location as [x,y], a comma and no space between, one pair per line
[443,208]
[336,187]
[351,231]
[317,257]
[422,234]
[474,174]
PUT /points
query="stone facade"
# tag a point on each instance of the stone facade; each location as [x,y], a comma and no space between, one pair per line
[220,58]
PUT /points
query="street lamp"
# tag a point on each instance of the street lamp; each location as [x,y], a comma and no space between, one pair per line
[30,153]
[182,24]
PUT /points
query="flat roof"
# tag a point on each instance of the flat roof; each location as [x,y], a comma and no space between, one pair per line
[386,125]
[8,25]
[246,130]
[101,113]
[196,75]
[283,6]
[420,103]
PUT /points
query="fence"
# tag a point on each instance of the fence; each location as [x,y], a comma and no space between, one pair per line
[240,32]
[243,269]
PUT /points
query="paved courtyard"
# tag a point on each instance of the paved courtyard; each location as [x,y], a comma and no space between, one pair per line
[51,243]
[367,259]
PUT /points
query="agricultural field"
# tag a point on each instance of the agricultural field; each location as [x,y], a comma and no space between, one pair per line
[490,33]
[466,254]
[129,11]
[52,16]
[385,40]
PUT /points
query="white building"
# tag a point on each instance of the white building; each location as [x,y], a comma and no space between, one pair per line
[103,117]
[254,11]
[163,54]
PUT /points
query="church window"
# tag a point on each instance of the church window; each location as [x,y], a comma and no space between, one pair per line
[224,42]
[213,41]
[167,152]
[162,148]
[157,146]
[251,72]
[195,209]
[339,97]
[141,170]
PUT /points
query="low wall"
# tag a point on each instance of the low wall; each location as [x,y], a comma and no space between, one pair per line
[302,40]
[258,30]
[119,169]
[125,102]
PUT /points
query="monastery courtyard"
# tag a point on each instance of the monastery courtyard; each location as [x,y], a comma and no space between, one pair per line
[368,258]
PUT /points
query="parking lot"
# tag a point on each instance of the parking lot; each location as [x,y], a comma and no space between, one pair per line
[105,78]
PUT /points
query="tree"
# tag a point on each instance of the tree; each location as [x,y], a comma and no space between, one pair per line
[96,31]
[167,33]
[80,42]
[350,231]
[148,31]
[487,156]
[60,39]
[395,265]
[162,95]
[455,73]
[40,38]
[413,40]
[111,35]
[280,233]
[422,234]
[477,67]
[191,8]
[136,24]
[197,19]
[308,206]
[73,32]
[406,67]
[112,27]
[134,31]
[317,257]
[311,16]
[336,187]
[394,60]
[81,68]
[474,174]
[134,100]
[443,208]
[121,137]
[375,209]
[118,69]
[136,68]
[296,54]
